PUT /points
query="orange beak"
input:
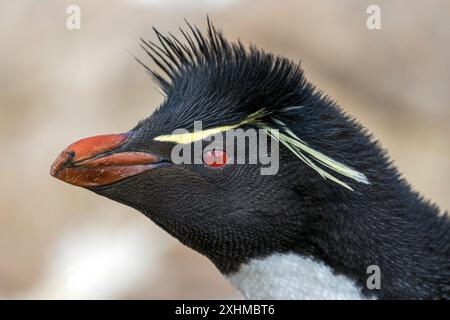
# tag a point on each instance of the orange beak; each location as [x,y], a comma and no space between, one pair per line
[90,162]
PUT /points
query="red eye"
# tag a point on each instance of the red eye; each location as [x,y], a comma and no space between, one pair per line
[215,158]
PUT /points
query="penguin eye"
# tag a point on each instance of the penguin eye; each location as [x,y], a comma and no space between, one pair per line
[215,158]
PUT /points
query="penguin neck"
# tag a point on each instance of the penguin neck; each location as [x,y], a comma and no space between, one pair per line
[394,230]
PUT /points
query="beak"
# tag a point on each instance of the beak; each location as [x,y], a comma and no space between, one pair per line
[91,162]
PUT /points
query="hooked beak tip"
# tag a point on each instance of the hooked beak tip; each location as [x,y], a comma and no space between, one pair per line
[63,159]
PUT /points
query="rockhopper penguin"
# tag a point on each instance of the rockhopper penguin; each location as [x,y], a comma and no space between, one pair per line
[336,206]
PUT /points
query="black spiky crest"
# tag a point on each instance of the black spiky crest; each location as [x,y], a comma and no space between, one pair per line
[173,56]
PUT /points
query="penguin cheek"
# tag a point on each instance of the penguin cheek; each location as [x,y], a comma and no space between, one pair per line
[172,193]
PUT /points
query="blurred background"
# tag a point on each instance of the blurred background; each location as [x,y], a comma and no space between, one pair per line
[58,85]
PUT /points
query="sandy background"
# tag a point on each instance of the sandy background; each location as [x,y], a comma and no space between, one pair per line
[58,85]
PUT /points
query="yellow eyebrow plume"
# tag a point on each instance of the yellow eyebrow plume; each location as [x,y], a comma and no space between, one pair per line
[190,137]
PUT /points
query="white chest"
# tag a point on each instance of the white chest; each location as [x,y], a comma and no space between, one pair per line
[291,276]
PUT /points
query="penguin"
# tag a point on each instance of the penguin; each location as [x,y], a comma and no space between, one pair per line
[335,221]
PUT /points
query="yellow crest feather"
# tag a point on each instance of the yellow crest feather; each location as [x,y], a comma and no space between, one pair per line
[300,149]
[190,137]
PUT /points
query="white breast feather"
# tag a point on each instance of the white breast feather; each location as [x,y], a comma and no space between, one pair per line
[291,276]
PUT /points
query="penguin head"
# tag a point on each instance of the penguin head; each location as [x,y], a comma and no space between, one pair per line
[226,210]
